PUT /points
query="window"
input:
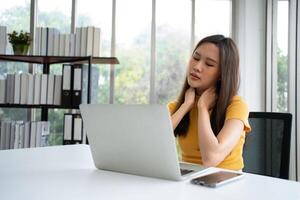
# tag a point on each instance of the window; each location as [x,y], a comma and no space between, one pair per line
[132,46]
[282,55]
[17,22]
[212,17]
[173,30]
[98,14]
[9,18]
[56,14]
[133,32]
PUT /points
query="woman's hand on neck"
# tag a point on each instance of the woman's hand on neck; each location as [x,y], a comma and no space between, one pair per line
[189,99]
[207,99]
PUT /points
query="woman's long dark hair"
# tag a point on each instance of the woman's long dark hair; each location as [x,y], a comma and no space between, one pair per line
[226,87]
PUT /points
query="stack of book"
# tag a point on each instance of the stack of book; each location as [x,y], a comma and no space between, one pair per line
[19,134]
[85,42]
[31,89]
[68,89]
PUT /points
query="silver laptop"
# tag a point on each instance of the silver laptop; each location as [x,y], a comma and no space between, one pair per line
[135,139]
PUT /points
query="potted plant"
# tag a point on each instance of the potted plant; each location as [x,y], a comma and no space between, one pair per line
[20,42]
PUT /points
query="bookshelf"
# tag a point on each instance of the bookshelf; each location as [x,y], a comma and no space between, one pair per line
[58,59]
[46,62]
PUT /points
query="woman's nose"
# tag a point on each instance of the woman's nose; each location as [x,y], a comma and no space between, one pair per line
[198,67]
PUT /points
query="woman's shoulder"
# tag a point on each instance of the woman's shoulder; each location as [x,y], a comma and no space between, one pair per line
[238,100]
[237,103]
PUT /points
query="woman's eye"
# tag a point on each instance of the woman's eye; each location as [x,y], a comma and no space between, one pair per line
[196,57]
[209,64]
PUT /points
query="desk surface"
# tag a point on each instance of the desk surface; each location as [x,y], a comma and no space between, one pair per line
[68,172]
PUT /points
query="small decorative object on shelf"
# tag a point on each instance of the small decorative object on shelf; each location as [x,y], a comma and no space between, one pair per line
[20,42]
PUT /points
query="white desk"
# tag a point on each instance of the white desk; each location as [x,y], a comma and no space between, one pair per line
[68,172]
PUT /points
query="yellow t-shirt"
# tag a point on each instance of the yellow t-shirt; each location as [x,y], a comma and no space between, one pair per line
[237,109]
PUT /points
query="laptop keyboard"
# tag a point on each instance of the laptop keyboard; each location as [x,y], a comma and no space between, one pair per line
[185,171]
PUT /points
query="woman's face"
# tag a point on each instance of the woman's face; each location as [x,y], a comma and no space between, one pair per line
[204,69]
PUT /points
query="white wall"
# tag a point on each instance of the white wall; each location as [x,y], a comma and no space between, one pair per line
[249,33]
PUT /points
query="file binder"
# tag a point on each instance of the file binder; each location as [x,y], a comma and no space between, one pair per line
[37,89]
[66,85]
[77,84]
[44,89]
[57,89]
[50,91]
[77,128]
[17,92]
[27,135]
[30,89]
[68,125]
[73,128]
[8,129]
[33,133]
[3,135]
[2,91]
[24,79]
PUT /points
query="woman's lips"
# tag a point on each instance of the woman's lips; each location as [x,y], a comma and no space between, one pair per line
[194,76]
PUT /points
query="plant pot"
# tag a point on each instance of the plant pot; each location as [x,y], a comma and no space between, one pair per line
[20,49]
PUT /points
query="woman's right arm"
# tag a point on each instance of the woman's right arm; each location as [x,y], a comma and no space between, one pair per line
[189,100]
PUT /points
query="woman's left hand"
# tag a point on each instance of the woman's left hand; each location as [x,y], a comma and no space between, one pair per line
[207,99]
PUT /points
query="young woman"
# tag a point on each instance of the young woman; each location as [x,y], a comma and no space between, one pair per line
[209,119]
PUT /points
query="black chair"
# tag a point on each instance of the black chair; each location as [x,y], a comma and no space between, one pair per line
[267,146]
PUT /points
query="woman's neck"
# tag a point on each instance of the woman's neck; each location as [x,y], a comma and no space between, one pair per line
[199,92]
